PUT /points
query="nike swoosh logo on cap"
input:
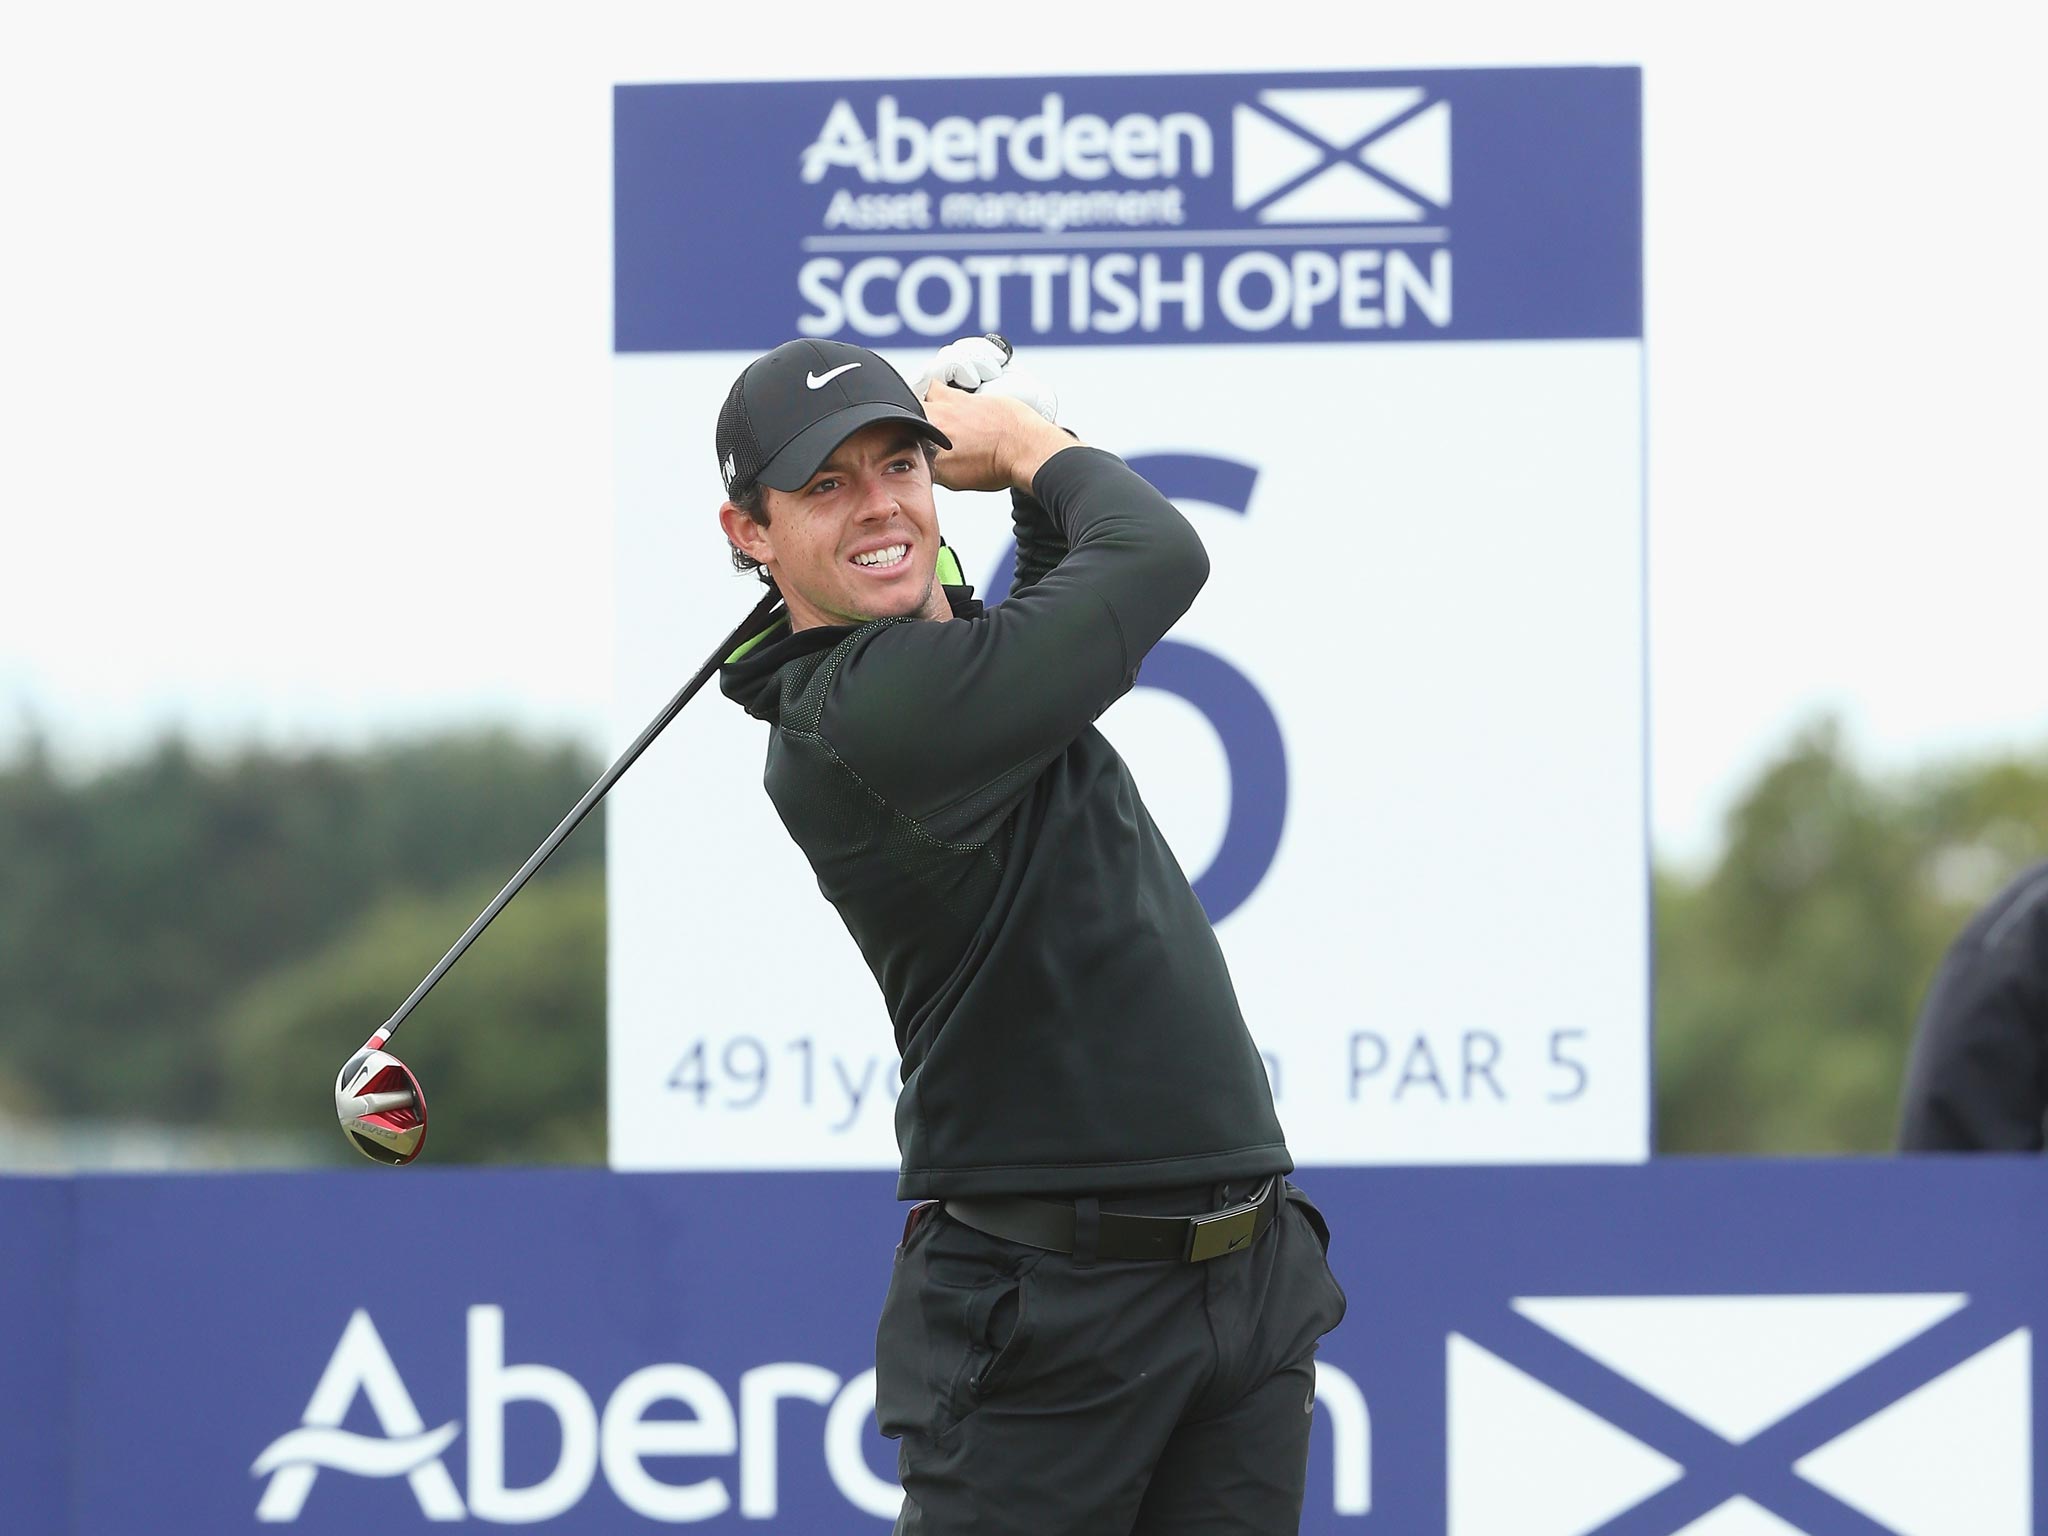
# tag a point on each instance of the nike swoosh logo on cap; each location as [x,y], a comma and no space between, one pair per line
[820,380]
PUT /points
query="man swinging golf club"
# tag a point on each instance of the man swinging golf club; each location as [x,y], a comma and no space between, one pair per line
[1104,1316]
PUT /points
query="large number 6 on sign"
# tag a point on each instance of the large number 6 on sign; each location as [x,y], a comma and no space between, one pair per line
[1233,706]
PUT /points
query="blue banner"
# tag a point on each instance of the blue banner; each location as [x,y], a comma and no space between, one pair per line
[1842,1348]
[36,1296]
[1424,205]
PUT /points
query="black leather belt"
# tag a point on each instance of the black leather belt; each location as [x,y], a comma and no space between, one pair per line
[1049,1224]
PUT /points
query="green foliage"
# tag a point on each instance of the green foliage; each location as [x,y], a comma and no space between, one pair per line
[509,1048]
[135,905]
[207,940]
[1789,976]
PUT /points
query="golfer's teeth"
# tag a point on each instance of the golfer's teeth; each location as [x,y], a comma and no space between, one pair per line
[887,556]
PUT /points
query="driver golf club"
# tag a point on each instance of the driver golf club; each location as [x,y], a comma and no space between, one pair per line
[382,1111]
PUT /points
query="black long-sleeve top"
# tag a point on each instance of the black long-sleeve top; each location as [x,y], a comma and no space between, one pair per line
[1065,1017]
[1978,1077]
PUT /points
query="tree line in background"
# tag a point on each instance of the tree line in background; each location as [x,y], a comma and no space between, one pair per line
[194,940]
[203,941]
[1789,975]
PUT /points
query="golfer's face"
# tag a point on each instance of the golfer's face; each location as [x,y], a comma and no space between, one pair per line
[860,540]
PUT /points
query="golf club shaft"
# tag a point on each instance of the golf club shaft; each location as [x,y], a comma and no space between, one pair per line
[746,630]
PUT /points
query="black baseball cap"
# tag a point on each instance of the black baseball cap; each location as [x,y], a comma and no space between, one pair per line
[790,408]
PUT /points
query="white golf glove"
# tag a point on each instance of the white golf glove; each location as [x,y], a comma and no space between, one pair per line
[978,365]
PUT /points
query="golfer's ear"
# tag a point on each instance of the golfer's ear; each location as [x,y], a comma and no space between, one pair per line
[744,534]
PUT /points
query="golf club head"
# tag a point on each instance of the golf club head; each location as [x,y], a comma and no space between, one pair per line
[382,1111]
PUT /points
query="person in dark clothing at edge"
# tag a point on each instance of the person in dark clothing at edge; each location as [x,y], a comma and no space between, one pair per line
[1978,1077]
[1103,1318]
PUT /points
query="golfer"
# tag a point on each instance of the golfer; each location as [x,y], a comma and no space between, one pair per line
[1104,1317]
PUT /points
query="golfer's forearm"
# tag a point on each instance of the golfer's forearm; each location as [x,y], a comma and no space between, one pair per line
[1126,543]
[1034,446]
[1040,544]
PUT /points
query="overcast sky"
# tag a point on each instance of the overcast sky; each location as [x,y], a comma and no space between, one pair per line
[304,343]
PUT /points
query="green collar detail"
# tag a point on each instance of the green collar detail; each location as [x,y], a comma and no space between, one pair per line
[781,623]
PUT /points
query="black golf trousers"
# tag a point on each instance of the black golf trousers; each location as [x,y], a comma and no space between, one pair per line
[1036,1393]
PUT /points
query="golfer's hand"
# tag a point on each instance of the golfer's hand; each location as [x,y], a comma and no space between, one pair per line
[999,442]
[979,365]
[965,364]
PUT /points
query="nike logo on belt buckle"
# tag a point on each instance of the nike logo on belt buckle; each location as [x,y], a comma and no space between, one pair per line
[1222,1232]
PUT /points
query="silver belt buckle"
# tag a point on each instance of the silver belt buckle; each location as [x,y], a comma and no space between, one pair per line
[1226,1231]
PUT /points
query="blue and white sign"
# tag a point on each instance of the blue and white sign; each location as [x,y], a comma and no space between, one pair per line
[1682,1349]
[1452,204]
[1380,337]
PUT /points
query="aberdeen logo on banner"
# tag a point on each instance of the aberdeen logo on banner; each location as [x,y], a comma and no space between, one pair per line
[1751,1415]
[1134,208]
[617,1440]
[619,1437]
[360,1366]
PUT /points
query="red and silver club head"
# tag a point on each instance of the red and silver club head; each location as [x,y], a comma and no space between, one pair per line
[378,1100]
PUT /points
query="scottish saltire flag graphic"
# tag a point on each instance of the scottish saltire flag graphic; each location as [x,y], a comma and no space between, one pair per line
[1741,1415]
[1366,155]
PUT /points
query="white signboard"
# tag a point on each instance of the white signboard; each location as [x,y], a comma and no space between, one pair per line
[1398,743]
